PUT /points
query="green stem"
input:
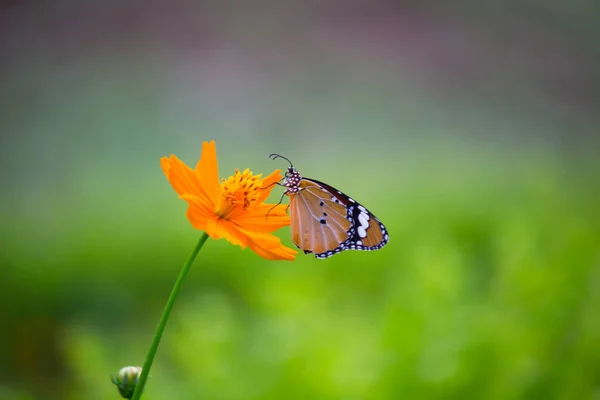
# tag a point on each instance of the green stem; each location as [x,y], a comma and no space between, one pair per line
[165,317]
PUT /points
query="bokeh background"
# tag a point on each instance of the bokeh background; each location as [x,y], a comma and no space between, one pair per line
[469,128]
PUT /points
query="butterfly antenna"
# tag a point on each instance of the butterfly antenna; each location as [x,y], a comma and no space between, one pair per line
[275,156]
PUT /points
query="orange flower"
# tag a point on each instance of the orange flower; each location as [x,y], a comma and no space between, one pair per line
[233,209]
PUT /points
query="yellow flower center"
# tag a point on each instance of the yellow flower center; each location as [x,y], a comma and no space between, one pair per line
[239,192]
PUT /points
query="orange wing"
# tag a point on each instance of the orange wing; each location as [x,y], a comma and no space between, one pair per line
[318,223]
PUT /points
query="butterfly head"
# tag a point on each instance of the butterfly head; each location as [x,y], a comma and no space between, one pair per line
[292,176]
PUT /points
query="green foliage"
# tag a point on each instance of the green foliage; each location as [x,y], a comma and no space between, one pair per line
[487,289]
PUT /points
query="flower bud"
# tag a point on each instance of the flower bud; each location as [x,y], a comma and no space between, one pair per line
[126,380]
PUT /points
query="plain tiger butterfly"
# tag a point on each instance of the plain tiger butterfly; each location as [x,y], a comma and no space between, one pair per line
[325,221]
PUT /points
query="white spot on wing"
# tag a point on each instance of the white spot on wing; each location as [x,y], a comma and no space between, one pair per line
[363,219]
[361,231]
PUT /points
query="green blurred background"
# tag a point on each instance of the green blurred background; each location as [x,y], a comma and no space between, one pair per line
[470,129]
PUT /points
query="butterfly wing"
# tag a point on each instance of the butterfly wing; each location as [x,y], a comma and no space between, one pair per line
[318,223]
[325,221]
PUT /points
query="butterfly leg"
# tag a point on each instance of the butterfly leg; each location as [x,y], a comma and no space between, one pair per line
[278,203]
[275,183]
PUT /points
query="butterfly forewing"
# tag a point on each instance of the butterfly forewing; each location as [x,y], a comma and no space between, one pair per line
[318,223]
[368,233]
[376,235]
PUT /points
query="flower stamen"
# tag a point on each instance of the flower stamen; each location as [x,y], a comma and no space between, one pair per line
[241,191]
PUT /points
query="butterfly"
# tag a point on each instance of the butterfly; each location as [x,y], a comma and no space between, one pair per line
[325,221]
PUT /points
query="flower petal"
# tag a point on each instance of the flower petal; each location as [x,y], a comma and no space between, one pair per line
[269,247]
[198,211]
[216,228]
[184,179]
[234,235]
[265,245]
[199,219]
[259,221]
[208,169]
[268,184]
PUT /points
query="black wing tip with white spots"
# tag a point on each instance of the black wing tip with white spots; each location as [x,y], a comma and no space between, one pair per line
[354,241]
[360,218]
